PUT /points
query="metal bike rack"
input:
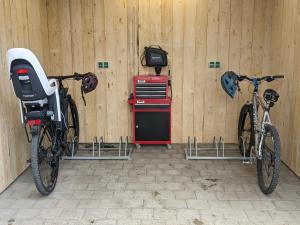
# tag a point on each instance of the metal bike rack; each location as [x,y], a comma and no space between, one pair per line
[99,150]
[217,150]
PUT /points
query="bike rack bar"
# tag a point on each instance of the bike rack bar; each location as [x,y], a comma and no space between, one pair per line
[203,151]
[106,151]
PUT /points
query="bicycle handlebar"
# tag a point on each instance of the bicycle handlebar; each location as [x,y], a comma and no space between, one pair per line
[265,78]
[75,76]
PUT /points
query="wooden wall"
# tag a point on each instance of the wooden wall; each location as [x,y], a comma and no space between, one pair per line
[284,58]
[21,25]
[246,36]
[194,32]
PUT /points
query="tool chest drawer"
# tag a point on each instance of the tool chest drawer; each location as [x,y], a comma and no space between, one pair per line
[150,87]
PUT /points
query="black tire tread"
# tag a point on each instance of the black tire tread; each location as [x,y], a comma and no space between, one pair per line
[275,177]
[35,164]
[74,111]
[247,108]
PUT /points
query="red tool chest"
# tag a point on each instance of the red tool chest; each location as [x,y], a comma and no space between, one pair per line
[151,110]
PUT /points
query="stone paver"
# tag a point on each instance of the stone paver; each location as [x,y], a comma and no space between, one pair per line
[143,214]
[156,187]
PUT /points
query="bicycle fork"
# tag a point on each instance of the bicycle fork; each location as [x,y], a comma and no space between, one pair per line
[259,128]
[266,120]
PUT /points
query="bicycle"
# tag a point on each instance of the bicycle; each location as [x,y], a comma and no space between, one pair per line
[63,138]
[50,112]
[258,138]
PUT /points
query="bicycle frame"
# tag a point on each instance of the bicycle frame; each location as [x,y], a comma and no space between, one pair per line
[259,125]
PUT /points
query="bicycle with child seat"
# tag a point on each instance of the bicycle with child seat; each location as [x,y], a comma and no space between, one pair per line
[52,139]
[49,111]
[258,138]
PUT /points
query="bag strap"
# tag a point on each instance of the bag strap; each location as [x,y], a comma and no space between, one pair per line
[142,58]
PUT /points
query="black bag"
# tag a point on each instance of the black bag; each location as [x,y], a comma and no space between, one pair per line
[154,57]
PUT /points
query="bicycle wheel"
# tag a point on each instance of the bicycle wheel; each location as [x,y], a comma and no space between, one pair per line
[72,134]
[268,167]
[246,129]
[44,162]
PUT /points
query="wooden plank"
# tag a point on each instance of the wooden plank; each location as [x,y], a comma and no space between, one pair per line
[54,37]
[246,48]
[78,55]
[149,28]
[267,38]
[65,43]
[211,117]
[166,32]
[232,109]
[133,56]
[275,54]
[87,7]
[100,56]
[296,160]
[117,92]
[223,52]
[258,36]
[112,78]
[289,107]
[45,35]
[286,67]
[188,69]
[144,18]
[34,32]
[4,153]
[177,69]
[200,68]
[294,143]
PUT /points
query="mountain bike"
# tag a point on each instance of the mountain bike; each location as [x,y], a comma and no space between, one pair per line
[52,139]
[259,138]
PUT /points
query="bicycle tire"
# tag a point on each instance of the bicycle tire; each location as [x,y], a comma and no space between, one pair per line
[75,122]
[247,110]
[268,189]
[36,161]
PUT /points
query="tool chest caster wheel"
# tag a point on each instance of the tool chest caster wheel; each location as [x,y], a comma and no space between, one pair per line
[138,146]
[169,146]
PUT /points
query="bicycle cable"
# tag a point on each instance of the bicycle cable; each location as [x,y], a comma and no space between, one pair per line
[64,120]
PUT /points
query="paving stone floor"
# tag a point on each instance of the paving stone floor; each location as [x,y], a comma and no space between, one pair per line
[157,186]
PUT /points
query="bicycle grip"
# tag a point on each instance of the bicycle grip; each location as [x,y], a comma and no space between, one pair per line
[278,76]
